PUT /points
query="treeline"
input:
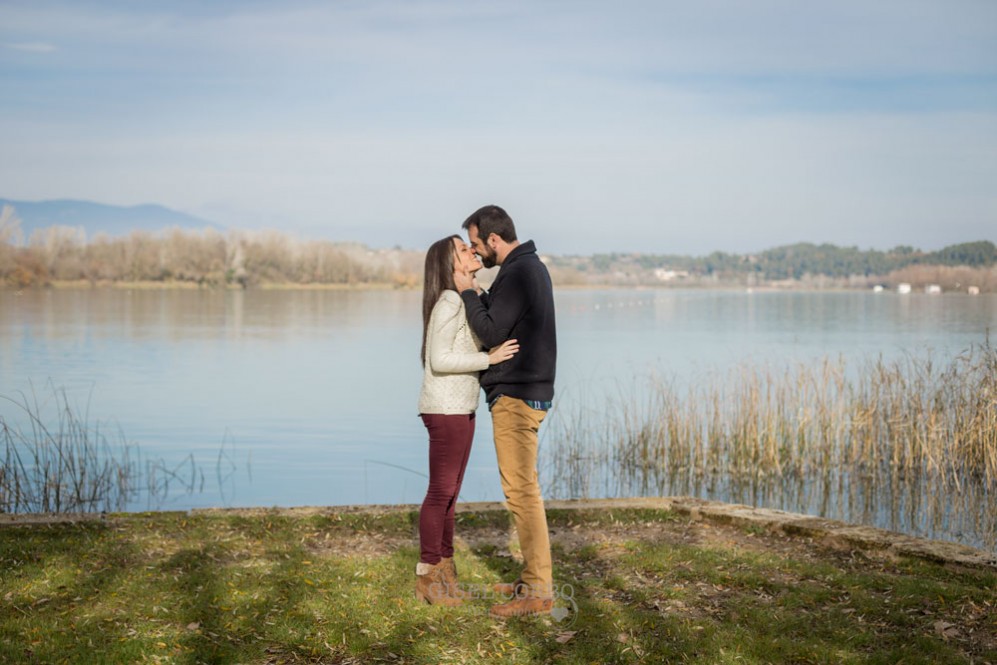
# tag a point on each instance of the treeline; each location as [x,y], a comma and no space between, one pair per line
[796,261]
[248,258]
[206,258]
[804,263]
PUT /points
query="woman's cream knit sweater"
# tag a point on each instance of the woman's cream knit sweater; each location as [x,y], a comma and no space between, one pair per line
[453,360]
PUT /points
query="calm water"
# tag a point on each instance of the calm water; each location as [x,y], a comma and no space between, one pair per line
[310,397]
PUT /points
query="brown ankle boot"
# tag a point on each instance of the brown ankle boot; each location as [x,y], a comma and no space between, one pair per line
[450,568]
[434,588]
[522,606]
[509,589]
[450,572]
[526,601]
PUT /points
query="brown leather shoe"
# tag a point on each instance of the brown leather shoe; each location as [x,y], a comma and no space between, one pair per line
[522,606]
[509,589]
[434,588]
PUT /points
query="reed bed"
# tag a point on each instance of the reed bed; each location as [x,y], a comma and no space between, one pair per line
[56,460]
[907,444]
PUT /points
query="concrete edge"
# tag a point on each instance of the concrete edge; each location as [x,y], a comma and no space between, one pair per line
[830,533]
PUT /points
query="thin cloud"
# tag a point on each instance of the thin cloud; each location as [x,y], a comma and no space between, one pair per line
[32,47]
[671,125]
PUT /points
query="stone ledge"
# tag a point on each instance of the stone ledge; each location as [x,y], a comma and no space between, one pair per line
[834,533]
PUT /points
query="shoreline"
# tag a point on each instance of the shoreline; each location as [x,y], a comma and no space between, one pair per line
[833,534]
[81,285]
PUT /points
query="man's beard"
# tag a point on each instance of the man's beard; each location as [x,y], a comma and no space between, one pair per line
[488,260]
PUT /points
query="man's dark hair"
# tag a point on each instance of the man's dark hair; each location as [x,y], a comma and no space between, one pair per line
[489,220]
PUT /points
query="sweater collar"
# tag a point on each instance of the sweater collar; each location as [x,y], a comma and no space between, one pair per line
[524,248]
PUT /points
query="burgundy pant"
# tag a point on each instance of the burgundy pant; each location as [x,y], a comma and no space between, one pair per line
[449,447]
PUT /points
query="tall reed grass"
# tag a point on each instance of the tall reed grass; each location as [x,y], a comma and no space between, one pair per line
[55,460]
[907,444]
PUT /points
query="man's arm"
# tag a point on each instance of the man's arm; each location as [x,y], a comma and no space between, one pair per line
[445,321]
[493,316]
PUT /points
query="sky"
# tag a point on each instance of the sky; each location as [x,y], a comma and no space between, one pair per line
[662,127]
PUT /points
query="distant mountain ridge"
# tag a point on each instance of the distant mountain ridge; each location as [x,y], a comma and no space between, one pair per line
[97,218]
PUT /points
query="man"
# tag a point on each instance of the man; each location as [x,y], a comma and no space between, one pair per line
[519,391]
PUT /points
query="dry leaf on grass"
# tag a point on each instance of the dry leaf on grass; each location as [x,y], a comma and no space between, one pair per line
[946,630]
[565,636]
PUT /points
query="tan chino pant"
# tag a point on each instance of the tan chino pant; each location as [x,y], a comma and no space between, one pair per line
[515,425]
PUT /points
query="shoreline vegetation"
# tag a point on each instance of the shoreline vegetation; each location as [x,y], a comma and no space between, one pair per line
[909,445]
[55,459]
[63,257]
[636,584]
[918,286]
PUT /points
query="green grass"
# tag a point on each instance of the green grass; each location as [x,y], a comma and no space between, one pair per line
[649,587]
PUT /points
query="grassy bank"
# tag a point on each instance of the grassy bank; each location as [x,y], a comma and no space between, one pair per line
[336,587]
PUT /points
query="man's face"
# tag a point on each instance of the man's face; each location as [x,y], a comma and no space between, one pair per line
[484,252]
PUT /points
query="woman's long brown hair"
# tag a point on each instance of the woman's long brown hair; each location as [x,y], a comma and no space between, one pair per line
[438,278]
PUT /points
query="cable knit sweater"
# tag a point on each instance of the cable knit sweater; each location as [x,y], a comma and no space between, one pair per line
[453,360]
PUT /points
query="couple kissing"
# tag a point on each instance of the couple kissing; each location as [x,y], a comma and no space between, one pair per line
[502,341]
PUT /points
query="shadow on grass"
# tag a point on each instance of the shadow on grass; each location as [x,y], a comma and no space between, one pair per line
[260,590]
[668,602]
[72,571]
[198,583]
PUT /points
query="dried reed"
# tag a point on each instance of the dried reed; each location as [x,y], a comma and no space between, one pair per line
[908,444]
[56,460]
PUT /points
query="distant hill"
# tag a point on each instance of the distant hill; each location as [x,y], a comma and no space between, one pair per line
[100,218]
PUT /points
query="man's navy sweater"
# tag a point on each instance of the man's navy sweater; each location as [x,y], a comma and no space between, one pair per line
[519,305]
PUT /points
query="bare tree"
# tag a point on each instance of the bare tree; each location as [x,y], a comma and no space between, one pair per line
[10,226]
[205,257]
[61,250]
[11,238]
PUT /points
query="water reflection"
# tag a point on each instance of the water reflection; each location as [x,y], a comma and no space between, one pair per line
[312,394]
[908,444]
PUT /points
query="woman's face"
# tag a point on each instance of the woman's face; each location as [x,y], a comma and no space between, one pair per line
[464,257]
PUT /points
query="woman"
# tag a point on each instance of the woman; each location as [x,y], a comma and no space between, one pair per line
[451,359]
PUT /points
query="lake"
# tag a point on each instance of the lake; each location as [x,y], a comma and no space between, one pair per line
[308,397]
